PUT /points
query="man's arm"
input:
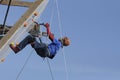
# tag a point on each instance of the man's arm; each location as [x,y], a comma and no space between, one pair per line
[51,36]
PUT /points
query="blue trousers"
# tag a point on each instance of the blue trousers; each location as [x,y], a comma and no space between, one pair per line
[40,48]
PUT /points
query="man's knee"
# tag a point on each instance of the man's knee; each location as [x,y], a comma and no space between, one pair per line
[31,39]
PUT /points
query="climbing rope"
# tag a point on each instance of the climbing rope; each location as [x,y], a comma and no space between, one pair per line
[50,69]
[6,15]
[47,37]
[52,14]
[24,65]
[60,30]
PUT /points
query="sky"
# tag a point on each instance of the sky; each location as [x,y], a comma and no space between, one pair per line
[93,27]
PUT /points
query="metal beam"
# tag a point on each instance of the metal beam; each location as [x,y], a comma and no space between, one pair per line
[17,3]
[21,21]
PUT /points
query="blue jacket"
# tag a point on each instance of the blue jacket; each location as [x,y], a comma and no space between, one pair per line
[54,47]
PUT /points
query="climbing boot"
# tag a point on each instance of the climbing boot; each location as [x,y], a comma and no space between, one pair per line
[14,48]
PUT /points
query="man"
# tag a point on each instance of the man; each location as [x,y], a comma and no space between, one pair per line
[42,49]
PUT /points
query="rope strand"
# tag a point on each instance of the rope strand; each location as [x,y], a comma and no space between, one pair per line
[52,15]
[50,69]
[24,65]
[60,28]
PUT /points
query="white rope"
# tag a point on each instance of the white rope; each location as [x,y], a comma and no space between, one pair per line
[50,69]
[24,65]
[59,19]
[52,77]
[60,28]
[51,20]
[52,15]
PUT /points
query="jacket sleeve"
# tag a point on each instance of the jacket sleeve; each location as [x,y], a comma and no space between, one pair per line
[51,36]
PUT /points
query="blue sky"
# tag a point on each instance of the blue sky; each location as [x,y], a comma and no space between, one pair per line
[93,27]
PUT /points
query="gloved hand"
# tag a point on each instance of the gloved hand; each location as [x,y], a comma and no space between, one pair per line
[47,25]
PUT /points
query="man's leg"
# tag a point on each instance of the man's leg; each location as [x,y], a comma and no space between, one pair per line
[40,48]
[27,40]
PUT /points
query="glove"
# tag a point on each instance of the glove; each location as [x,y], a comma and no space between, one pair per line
[46,25]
